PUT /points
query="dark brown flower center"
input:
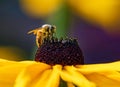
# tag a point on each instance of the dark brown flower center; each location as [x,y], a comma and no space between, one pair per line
[64,52]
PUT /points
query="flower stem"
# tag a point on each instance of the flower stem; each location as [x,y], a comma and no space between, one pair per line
[61,20]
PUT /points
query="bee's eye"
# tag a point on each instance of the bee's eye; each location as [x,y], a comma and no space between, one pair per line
[53,27]
[47,28]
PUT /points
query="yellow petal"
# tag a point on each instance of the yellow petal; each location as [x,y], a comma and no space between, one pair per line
[71,75]
[104,75]
[39,8]
[90,68]
[9,71]
[54,79]
[30,74]
[70,84]
[112,75]
[103,12]
[102,81]
[50,78]
[42,78]
[4,62]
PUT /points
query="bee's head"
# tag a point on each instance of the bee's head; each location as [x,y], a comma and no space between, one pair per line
[49,27]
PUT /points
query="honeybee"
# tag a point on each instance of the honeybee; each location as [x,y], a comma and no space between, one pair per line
[42,32]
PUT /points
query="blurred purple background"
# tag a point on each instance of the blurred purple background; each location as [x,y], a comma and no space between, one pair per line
[97,45]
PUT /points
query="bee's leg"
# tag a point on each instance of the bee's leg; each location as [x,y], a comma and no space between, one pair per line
[54,34]
[39,38]
[37,41]
[50,34]
[47,34]
[40,41]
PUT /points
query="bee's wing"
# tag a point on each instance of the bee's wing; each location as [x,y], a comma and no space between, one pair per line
[34,31]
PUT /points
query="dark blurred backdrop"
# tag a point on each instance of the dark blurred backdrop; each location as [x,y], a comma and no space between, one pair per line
[98,46]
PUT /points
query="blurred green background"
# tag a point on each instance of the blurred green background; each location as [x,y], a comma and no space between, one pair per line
[96,25]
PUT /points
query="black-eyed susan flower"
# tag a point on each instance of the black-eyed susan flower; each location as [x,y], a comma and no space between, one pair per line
[58,62]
